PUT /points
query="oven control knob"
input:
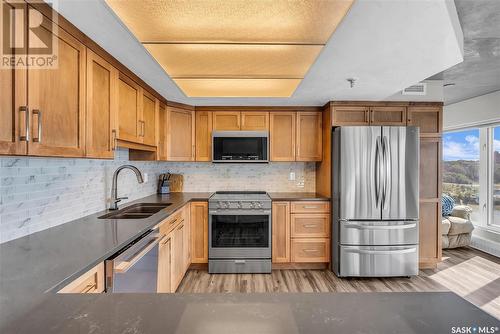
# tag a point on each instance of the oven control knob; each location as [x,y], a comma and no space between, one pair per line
[239,205]
[257,205]
[221,205]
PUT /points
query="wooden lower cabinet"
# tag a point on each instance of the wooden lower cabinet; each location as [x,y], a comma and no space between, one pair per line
[175,249]
[199,232]
[165,265]
[315,225]
[90,282]
[301,232]
[281,232]
[310,250]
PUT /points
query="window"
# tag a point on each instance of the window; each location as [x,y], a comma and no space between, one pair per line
[471,172]
[495,159]
[461,168]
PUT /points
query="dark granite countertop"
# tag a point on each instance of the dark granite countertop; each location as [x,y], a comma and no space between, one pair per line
[33,267]
[297,196]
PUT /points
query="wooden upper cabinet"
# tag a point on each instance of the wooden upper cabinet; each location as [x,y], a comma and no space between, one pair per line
[148,120]
[281,232]
[254,121]
[390,115]
[199,232]
[180,134]
[282,136]
[102,103]
[129,110]
[13,110]
[57,100]
[164,284]
[226,120]
[309,136]
[350,115]
[162,132]
[429,119]
[203,135]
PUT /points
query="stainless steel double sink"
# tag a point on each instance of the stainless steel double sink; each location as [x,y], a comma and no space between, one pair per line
[136,211]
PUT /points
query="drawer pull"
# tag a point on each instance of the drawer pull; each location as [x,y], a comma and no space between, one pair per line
[310,206]
[310,250]
[310,225]
[173,221]
[89,287]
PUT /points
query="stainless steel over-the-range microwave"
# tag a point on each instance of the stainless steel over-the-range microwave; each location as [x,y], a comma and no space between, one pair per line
[240,146]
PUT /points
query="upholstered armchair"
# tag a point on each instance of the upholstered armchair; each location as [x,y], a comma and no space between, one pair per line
[456,229]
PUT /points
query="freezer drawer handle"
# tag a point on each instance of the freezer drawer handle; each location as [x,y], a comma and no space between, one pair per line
[239,261]
[382,252]
[124,266]
[385,227]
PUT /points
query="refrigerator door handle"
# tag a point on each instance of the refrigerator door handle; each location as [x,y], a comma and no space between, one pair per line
[387,172]
[378,162]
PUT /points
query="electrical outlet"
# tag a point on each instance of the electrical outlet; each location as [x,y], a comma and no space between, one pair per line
[291,176]
[145,177]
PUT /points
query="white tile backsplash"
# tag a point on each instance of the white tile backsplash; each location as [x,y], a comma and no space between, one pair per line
[38,193]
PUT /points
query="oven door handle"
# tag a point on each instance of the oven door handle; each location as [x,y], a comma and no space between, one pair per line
[239,213]
[123,266]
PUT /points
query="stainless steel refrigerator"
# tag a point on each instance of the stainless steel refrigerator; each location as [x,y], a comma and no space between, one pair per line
[375,176]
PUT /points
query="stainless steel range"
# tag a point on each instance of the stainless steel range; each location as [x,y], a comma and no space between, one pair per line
[239,232]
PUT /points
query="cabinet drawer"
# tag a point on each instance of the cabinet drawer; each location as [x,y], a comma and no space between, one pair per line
[310,225]
[90,282]
[168,224]
[310,207]
[311,250]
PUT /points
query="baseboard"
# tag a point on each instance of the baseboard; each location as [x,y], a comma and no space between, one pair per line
[485,245]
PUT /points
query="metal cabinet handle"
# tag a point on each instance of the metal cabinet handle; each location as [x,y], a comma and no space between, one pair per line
[310,250]
[24,110]
[310,206]
[113,140]
[310,225]
[143,128]
[38,114]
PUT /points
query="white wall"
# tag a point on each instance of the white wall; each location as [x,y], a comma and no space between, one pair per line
[38,193]
[481,110]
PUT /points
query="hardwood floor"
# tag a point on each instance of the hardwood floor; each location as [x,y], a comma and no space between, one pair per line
[472,274]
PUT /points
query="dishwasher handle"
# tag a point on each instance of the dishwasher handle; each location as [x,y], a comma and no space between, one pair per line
[138,251]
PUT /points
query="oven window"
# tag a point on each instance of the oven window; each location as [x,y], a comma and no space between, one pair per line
[240,231]
[240,148]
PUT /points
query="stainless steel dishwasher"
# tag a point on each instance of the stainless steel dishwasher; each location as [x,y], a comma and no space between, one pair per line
[135,268]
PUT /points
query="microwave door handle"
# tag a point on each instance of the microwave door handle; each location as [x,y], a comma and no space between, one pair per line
[123,266]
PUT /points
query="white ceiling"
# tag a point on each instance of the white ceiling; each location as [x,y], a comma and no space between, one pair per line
[386,45]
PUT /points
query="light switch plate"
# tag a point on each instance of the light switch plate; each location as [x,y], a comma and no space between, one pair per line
[291,176]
